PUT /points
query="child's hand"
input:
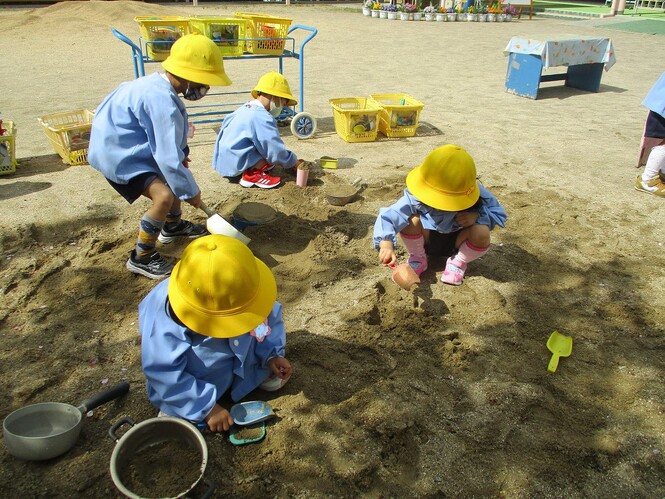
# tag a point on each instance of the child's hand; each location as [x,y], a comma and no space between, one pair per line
[186,162]
[219,419]
[280,367]
[466,218]
[387,254]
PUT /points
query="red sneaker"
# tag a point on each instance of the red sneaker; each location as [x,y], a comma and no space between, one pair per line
[259,178]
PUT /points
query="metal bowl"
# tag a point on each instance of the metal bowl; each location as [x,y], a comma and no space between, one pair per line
[341,195]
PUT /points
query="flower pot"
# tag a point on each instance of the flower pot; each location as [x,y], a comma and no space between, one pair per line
[451,16]
[441,18]
[392,15]
[429,17]
[383,14]
[404,16]
[417,16]
[509,17]
[471,17]
[375,13]
[491,18]
[501,18]
[482,18]
[367,12]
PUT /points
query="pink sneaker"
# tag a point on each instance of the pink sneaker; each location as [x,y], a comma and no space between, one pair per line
[454,272]
[418,265]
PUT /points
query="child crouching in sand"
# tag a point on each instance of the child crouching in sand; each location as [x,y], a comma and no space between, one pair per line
[444,211]
[213,326]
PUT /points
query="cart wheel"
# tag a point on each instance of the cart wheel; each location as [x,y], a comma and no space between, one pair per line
[303,125]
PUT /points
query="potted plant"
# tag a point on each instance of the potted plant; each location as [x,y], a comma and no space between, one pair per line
[441,15]
[492,13]
[417,13]
[481,12]
[392,11]
[410,8]
[383,13]
[403,14]
[510,12]
[451,14]
[376,8]
[429,12]
[367,7]
[471,14]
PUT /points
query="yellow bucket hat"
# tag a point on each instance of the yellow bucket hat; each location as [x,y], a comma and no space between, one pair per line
[196,58]
[446,180]
[220,289]
[274,83]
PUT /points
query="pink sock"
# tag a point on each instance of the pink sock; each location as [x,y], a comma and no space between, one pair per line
[468,252]
[415,245]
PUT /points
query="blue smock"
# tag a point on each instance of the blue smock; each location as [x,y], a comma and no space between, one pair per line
[655,99]
[395,218]
[248,135]
[188,372]
[141,127]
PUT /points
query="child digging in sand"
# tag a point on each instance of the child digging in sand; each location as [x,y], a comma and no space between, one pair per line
[444,211]
[249,144]
[139,143]
[212,327]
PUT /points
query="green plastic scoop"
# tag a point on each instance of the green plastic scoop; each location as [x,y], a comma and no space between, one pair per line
[561,346]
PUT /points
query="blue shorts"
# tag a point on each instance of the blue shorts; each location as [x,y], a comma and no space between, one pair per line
[655,126]
[441,244]
[135,188]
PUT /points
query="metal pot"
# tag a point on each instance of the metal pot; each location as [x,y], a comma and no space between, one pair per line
[43,431]
[152,432]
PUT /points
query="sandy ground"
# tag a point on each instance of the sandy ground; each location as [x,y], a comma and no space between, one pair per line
[441,392]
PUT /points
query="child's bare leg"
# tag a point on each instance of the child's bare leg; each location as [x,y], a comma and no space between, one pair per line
[413,238]
[472,243]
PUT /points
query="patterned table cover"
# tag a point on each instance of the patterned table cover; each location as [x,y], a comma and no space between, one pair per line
[568,51]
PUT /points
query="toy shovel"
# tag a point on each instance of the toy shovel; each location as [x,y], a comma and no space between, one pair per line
[217,225]
[561,346]
[404,276]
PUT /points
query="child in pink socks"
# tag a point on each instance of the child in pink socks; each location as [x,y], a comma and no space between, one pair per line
[444,211]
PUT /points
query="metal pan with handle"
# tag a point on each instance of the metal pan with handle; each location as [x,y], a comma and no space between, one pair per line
[43,431]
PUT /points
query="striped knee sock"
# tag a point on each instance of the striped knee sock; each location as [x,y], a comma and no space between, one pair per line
[149,229]
[173,219]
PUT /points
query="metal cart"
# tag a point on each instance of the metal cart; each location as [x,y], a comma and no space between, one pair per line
[303,125]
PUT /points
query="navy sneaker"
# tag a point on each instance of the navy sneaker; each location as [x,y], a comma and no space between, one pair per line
[152,266]
[183,229]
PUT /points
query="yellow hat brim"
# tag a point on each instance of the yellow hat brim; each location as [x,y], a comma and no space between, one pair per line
[197,75]
[220,325]
[436,198]
[283,95]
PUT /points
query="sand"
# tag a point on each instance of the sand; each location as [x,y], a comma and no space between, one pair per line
[440,392]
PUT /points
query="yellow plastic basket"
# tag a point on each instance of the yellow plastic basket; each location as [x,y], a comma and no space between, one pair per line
[8,161]
[356,118]
[70,134]
[160,33]
[265,33]
[228,34]
[399,114]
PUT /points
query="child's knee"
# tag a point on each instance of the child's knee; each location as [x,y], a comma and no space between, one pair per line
[480,235]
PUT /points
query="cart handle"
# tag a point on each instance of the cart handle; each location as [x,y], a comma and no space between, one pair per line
[313,32]
[137,54]
[300,55]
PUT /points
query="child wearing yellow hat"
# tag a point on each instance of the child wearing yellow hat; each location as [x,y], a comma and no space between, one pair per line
[444,211]
[212,327]
[249,144]
[139,143]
